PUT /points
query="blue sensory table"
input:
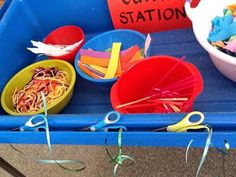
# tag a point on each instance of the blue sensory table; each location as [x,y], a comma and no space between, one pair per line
[22,21]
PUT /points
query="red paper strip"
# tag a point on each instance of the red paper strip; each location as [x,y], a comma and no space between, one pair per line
[128,55]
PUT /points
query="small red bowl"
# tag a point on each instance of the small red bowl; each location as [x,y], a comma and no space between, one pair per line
[66,35]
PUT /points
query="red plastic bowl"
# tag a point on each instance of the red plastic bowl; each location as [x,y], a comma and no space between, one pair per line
[66,35]
[138,82]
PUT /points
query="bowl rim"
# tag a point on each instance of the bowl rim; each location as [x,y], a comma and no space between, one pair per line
[115,87]
[33,65]
[74,51]
[77,57]
[214,51]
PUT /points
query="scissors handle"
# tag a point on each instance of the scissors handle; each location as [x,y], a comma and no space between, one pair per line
[185,122]
[34,123]
[110,118]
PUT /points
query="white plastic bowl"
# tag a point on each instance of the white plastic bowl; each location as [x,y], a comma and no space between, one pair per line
[201,18]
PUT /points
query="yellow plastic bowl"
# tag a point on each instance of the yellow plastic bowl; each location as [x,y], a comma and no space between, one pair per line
[25,75]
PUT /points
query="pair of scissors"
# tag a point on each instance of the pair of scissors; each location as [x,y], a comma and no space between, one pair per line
[186,124]
[106,124]
[35,123]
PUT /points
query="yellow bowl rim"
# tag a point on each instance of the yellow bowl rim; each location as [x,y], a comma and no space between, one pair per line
[73,79]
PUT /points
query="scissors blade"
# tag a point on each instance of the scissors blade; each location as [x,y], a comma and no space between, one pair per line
[24,128]
[87,129]
[16,129]
[159,129]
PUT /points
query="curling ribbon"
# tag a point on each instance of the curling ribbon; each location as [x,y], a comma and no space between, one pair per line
[45,117]
[120,158]
[51,161]
[224,150]
[206,148]
[208,144]
[188,147]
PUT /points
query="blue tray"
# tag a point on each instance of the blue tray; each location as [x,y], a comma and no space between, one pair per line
[21,21]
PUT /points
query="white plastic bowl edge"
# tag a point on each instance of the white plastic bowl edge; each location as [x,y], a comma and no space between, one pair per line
[201,18]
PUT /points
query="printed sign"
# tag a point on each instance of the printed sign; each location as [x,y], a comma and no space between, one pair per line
[149,15]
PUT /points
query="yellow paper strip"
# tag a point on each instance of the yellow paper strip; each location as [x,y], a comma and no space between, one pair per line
[119,69]
[99,68]
[114,61]
[175,108]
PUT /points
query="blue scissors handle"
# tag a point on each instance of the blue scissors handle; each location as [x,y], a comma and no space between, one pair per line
[34,123]
[110,118]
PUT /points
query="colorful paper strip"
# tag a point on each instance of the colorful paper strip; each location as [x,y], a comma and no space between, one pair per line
[114,61]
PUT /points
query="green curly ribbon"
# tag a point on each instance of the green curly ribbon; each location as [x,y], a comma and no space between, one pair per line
[45,117]
[120,158]
[51,161]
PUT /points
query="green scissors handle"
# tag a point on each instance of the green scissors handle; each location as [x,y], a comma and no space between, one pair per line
[186,124]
